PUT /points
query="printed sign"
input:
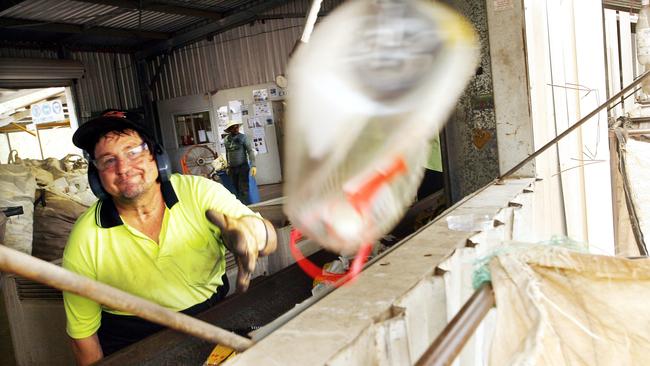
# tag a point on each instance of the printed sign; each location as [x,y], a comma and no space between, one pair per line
[51,111]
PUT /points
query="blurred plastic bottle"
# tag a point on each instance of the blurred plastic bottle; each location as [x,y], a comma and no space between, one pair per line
[377,80]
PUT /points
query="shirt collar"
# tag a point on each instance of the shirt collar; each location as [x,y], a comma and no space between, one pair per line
[106,215]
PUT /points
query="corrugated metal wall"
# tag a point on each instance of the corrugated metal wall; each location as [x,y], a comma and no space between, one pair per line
[246,55]
[242,56]
[110,81]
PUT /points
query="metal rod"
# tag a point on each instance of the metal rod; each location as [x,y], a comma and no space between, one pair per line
[44,272]
[638,132]
[575,125]
[450,342]
[629,201]
[23,128]
[310,21]
[40,144]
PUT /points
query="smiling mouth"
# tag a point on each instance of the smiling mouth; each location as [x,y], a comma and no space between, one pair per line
[128,180]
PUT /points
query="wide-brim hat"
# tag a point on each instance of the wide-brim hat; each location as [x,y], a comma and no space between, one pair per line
[87,135]
[232,123]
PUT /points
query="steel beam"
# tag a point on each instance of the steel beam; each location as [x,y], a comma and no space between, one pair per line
[6,4]
[79,29]
[159,7]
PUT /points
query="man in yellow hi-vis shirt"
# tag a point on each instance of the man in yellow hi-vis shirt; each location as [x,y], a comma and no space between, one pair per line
[157,235]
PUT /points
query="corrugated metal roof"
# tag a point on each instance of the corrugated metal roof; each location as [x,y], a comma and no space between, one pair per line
[150,21]
[82,24]
[302,7]
[242,56]
[81,13]
[215,5]
[56,11]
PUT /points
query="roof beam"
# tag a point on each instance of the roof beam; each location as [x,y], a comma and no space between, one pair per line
[238,17]
[287,16]
[158,7]
[79,29]
[6,4]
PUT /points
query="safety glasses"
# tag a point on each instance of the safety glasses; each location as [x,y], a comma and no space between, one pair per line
[108,162]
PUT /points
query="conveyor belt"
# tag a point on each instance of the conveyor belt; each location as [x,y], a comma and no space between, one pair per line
[267,299]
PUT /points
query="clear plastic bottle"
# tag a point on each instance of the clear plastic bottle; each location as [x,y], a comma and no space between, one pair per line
[376,82]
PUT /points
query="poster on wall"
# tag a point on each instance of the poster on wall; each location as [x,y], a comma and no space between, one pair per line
[50,111]
[262,109]
[235,109]
[255,122]
[260,95]
[259,140]
[222,116]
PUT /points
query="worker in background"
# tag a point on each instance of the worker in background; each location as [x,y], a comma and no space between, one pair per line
[157,235]
[239,152]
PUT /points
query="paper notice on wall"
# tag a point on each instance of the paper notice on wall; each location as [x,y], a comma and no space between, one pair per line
[210,136]
[260,95]
[500,5]
[262,109]
[259,140]
[235,106]
[203,137]
[51,111]
[236,116]
[255,122]
[222,116]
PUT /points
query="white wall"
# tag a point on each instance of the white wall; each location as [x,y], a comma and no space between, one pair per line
[268,164]
[566,64]
[182,105]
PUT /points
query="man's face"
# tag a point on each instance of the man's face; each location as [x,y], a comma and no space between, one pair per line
[132,171]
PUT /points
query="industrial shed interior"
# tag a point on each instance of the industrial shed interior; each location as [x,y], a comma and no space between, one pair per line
[522,241]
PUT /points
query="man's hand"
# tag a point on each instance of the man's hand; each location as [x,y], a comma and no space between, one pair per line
[247,238]
[253,171]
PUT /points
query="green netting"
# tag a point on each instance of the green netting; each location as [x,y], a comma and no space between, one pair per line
[482,275]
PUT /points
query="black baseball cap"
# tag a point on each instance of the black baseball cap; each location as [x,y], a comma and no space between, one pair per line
[87,135]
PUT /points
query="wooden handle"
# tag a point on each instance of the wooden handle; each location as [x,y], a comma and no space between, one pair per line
[44,272]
